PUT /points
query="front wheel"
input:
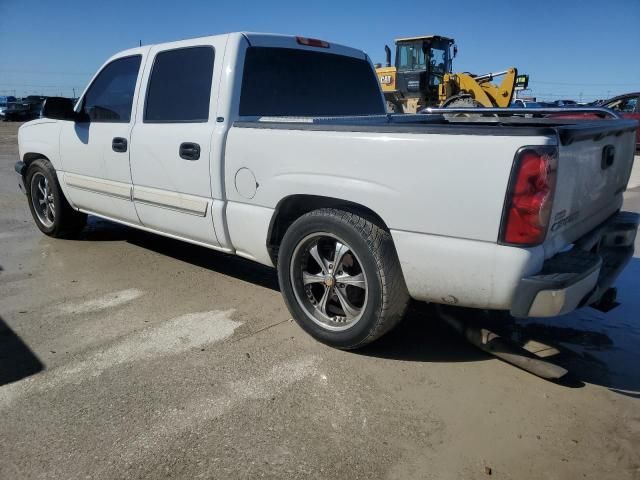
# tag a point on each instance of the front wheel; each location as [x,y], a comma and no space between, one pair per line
[341,278]
[50,210]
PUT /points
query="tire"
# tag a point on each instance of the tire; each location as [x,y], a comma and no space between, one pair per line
[53,216]
[394,107]
[462,101]
[341,278]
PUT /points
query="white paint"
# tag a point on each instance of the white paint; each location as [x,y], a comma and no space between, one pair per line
[168,199]
[188,417]
[99,185]
[111,300]
[246,184]
[484,275]
[634,180]
[172,337]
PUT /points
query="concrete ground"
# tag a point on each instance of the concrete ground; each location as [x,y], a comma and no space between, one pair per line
[127,355]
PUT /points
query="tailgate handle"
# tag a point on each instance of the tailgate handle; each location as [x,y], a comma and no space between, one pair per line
[608,156]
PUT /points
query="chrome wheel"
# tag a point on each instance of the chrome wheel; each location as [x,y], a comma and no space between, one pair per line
[42,199]
[329,281]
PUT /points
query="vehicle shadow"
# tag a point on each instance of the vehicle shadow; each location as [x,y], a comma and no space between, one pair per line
[99,230]
[230,265]
[17,361]
[597,348]
[423,337]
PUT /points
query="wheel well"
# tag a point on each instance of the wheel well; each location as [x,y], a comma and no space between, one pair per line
[293,207]
[28,158]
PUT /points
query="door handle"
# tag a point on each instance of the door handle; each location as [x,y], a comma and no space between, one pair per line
[119,144]
[189,151]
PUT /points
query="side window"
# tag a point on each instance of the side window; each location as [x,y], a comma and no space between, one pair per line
[629,104]
[180,86]
[110,96]
[405,57]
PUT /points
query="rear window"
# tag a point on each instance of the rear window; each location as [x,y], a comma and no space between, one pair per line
[290,82]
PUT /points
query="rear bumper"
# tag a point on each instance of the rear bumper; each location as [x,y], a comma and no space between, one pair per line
[581,276]
[21,168]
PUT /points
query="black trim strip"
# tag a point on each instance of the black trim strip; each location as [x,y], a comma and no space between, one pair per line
[567,133]
[595,130]
[452,129]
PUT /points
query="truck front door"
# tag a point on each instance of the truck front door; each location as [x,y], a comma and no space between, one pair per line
[95,149]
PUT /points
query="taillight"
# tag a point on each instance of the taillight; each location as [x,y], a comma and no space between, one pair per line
[530,196]
[312,42]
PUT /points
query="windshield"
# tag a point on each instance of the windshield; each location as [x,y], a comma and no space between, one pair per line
[430,55]
[412,57]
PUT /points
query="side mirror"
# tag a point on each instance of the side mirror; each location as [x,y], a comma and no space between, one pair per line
[59,108]
[455,51]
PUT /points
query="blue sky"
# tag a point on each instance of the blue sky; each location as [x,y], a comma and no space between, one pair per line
[569,48]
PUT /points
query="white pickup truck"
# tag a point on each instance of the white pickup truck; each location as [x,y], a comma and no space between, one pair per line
[278,149]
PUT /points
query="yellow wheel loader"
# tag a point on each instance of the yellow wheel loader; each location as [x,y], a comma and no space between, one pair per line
[422,77]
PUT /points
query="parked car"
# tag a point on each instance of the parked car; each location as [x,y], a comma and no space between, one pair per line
[242,143]
[627,105]
[520,103]
[565,103]
[26,108]
[4,100]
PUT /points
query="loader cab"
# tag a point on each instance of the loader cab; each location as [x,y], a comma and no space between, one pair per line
[421,63]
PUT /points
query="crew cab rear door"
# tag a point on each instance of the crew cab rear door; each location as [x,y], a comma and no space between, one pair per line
[172,140]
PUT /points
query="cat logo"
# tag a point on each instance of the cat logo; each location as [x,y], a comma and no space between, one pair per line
[386,79]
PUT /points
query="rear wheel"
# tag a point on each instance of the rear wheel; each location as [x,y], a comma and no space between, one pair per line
[341,278]
[50,210]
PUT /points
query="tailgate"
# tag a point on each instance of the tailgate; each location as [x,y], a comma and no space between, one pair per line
[594,165]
